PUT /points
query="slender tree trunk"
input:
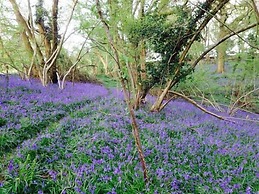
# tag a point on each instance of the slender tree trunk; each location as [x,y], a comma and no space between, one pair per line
[104,62]
[143,61]
[24,28]
[256,8]
[140,71]
[53,69]
[7,77]
[140,75]
[221,58]
[56,52]
[142,46]
[46,36]
[222,48]
[135,129]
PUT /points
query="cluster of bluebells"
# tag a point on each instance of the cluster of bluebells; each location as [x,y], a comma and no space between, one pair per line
[92,150]
[28,107]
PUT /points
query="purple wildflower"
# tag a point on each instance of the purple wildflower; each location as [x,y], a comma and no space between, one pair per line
[112,192]
[248,190]
[11,166]
[53,174]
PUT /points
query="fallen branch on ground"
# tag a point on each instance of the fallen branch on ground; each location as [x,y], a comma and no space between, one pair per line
[198,106]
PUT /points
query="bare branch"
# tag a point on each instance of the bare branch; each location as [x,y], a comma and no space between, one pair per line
[252,46]
[220,41]
[242,119]
[243,96]
[198,106]
[201,27]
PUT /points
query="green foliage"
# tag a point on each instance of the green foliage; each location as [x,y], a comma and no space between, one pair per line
[253,39]
[167,34]
[12,53]
[108,81]
[2,121]
[6,142]
[23,183]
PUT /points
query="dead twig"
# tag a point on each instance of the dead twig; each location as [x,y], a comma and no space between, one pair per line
[232,108]
[243,119]
[200,107]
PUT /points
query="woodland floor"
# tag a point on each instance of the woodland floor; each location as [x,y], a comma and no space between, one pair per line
[79,140]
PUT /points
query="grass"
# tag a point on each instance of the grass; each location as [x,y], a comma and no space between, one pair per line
[108,81]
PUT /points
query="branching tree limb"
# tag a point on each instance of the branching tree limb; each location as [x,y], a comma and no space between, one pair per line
[232,31]
[197,105]
[173,81]
[34,57]
[194,64]
[78,59]
[231,109]
[27,34]
[201,27]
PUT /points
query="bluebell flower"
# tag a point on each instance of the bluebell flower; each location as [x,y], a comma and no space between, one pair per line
[53,174]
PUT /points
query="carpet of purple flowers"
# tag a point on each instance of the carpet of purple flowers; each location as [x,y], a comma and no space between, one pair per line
[79,140]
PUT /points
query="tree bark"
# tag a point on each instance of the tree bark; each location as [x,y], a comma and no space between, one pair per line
[221,52]
[135,129]
[222,48]
[28,38]
[156,106]
[48,36]
[256,8]
[104,62]
[53,69]
[23,25]
[52,59]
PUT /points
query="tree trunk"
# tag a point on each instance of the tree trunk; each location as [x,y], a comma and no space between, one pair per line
[222,48]
[135,129]
[27,38]
[141,96]
[7,77]
[104,62]
[256,8]
[221,58]
[53,69]
[156,106]
[143,60]
[47,37]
